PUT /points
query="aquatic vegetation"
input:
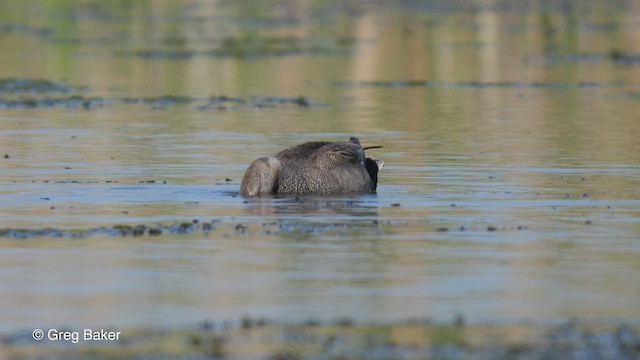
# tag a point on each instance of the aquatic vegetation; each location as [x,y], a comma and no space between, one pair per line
[285,228]
[16,88]
[196,226]
[158,102]
[251,47]
[24,28]
[70,102]
[326,339]
[616,55]
[25,85]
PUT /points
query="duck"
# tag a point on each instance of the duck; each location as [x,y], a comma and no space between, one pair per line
[314,168]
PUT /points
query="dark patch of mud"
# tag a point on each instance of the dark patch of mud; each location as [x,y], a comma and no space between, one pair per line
[201,227]
[489,228]
[25,85]
[17,88]
[115,230]
[476,84]
[69,102]
[159,102]
[419,338]
[283,227]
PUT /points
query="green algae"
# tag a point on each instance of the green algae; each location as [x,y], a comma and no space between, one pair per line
[250,47]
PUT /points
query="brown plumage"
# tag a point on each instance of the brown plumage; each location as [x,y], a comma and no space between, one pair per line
[319,167]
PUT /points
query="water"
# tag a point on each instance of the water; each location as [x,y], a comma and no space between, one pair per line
[510,191]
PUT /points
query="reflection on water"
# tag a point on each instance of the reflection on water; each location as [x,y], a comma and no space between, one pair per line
[510,189]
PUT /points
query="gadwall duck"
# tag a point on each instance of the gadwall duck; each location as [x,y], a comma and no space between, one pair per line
[319,167]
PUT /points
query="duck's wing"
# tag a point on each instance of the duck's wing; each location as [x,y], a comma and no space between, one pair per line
[302,151]
[339,153]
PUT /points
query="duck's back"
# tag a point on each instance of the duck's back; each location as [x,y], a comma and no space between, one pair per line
[302,151]
[323,168]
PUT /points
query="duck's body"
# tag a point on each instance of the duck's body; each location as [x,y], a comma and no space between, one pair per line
[313,168]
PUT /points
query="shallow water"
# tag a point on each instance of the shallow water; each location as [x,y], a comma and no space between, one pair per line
[511,188]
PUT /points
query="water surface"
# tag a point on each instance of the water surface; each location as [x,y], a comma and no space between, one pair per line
[510,191]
